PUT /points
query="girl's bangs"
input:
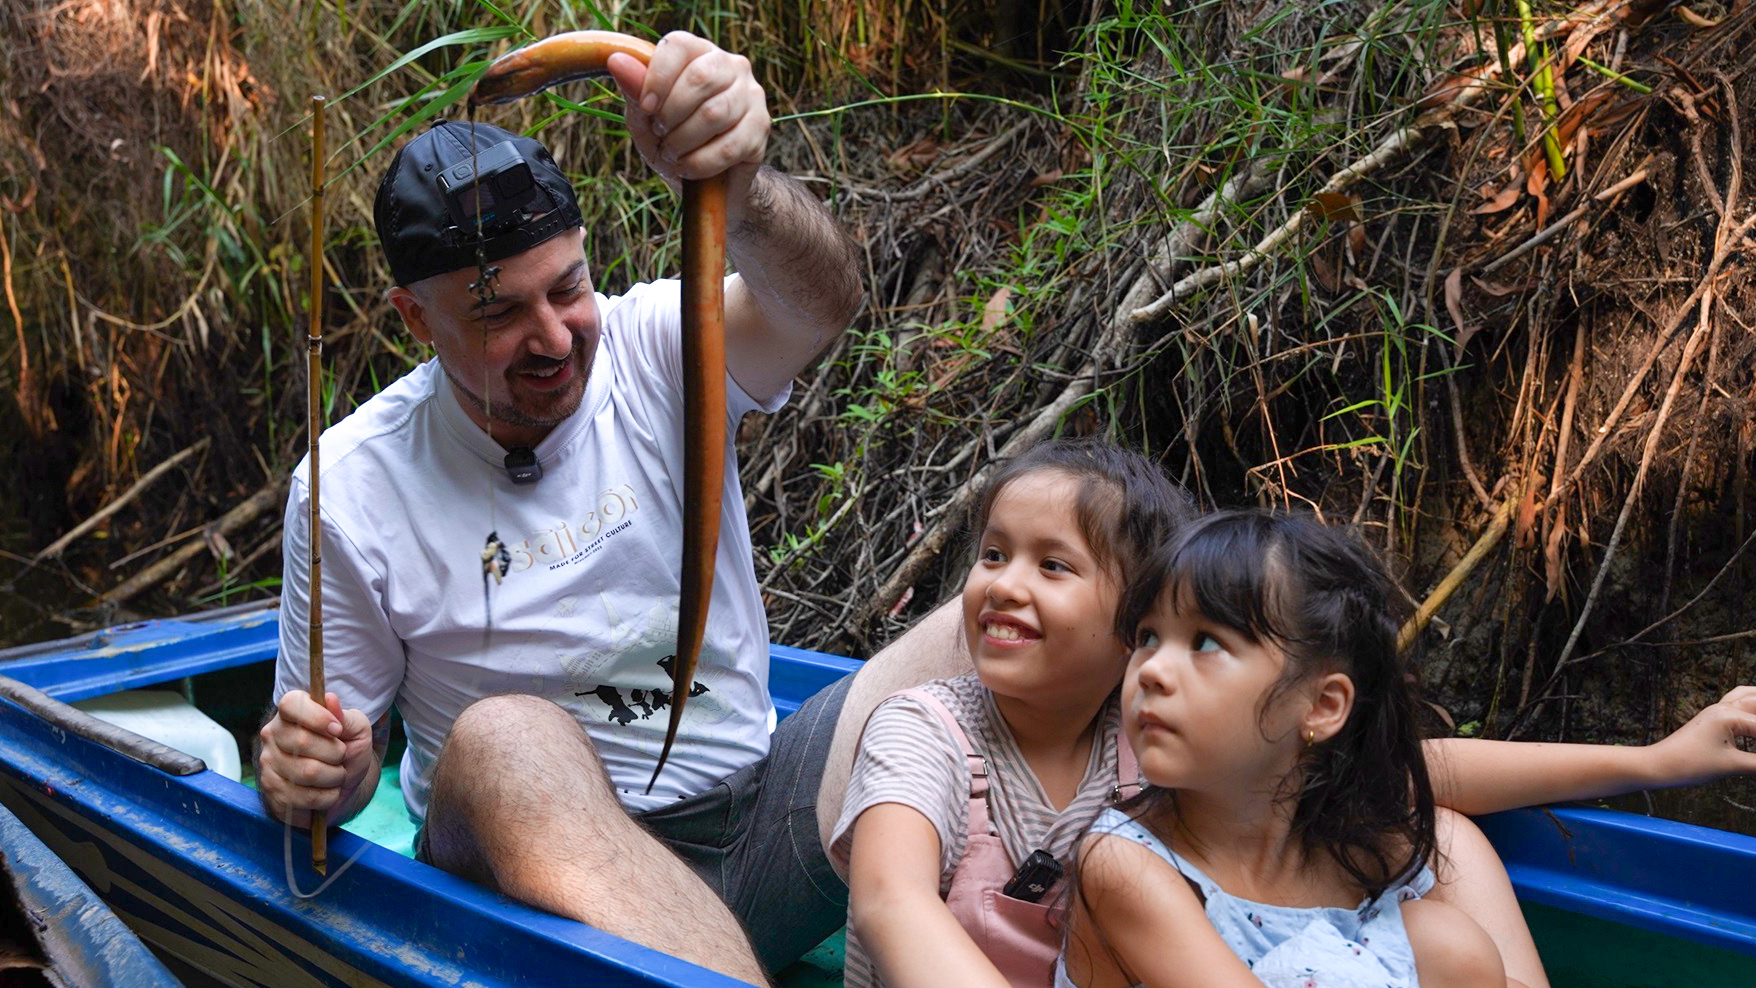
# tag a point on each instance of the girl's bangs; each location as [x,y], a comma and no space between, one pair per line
[1224,568]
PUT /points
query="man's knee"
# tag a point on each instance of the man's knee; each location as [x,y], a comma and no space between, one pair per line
[511,725]
[501,746]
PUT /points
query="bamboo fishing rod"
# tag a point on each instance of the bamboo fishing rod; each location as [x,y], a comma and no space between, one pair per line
[314,425]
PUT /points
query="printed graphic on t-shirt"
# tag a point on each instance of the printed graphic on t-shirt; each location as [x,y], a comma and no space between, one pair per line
[648,702]
[568,542]
[626,644]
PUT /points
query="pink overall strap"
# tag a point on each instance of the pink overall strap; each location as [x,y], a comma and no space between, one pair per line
[978,766]
[1127,769]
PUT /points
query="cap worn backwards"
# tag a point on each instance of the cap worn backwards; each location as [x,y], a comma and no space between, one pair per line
[431,184]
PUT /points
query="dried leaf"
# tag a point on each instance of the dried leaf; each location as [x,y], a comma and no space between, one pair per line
[1552,555]
[1045,178]
[1538,177]
[914,156]
[1454,298]
[1325,272]
[1501,202]
[1494,288]
[218,544]
[1579,114]
[1695,20]
[1527,510]
[1444,716]
[1451,86]
[994,312]
[1336,206]
[1356,241]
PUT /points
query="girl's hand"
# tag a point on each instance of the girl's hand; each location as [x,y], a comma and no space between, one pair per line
[894,905]
[1707,747]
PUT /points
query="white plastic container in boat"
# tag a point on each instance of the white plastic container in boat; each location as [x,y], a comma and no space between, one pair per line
[167,718]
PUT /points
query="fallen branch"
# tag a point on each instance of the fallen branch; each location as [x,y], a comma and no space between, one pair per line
[269,498]
[55,548]
[1454,579]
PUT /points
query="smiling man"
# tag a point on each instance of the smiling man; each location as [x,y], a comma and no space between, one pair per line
[550,422]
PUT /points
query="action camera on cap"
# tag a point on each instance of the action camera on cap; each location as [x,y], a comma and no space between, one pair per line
[497,184]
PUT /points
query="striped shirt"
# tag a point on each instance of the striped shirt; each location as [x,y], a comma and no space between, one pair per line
[909,756]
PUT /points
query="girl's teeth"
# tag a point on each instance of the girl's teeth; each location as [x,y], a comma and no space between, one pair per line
[1005,633]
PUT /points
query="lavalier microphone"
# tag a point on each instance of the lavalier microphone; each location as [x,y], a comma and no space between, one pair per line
[522,465]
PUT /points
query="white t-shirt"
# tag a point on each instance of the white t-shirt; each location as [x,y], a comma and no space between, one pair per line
[587,614]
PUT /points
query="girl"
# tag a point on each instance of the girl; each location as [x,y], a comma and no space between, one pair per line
[1037,726]
[1029,743]
[1289,820]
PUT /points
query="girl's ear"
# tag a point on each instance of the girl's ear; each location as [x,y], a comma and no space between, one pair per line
[1332,700]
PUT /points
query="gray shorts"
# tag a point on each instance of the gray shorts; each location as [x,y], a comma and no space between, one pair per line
[753,837]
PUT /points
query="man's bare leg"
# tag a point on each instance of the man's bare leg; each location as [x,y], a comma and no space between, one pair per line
[522,804]
[933,649]
[1472,878]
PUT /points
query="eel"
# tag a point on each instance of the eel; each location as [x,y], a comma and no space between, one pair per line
[575,55]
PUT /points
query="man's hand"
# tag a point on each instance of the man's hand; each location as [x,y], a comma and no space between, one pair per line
[694,112]
[1707,747]
[314,757]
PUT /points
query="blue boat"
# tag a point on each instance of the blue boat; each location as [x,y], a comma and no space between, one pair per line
[186,857]
[54,926]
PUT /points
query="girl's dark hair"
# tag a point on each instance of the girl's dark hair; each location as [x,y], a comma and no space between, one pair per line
[1126,506]
[1325,600]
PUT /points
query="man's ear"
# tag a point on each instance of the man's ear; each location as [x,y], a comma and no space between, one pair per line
[1332,700]
[408,306]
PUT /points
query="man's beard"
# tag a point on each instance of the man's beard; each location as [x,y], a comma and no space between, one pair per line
[508,413]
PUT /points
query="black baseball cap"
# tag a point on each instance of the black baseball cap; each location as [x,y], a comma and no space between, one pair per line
[418,207]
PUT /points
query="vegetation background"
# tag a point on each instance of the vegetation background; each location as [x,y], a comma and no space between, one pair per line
[1474,277]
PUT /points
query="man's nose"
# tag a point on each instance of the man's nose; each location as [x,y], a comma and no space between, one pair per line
[552,337]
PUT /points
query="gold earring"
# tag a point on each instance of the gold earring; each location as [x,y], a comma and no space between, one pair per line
[1310,737]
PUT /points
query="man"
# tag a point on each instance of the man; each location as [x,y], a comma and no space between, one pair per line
[535,708]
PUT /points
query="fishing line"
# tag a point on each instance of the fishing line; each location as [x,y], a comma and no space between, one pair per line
[496,559]
[287,846]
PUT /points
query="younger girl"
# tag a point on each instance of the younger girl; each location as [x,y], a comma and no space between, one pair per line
[1290,820]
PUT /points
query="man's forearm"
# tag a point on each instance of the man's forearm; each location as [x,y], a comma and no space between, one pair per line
[800,266]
